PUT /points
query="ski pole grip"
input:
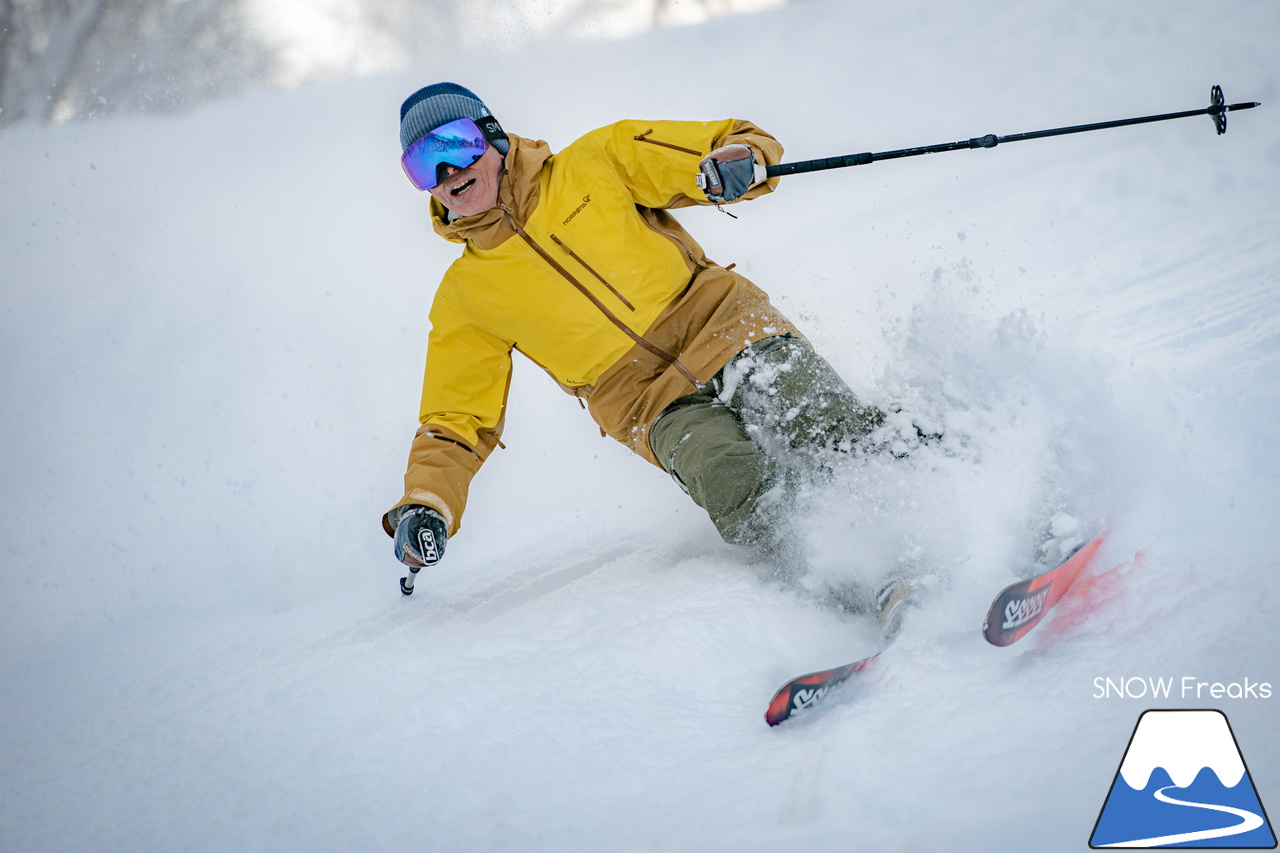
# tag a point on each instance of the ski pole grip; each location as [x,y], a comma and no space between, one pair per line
[818,165]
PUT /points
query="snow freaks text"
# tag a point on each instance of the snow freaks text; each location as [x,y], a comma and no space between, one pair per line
[1186,687]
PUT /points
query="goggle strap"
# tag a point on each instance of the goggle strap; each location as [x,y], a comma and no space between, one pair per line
[492,131]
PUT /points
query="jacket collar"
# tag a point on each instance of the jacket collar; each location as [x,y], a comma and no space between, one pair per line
[518,189]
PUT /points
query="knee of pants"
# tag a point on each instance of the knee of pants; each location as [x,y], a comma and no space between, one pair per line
[791,391]
[707,451]
[724,478]
[831,420]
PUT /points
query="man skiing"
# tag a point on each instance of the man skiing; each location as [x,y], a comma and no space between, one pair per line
[573,259]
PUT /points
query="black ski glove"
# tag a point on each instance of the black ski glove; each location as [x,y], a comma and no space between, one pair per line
[727,173]
[420,536]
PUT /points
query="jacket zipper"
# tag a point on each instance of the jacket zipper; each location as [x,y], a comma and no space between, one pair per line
[613,318]
[693,259]
[644,137]
[589,269]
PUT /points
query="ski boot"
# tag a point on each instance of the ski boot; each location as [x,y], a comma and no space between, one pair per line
[893,599]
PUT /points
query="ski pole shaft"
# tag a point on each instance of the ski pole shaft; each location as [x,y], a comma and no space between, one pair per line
[1217,109]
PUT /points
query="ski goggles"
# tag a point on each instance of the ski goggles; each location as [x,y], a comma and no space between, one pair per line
[458,143]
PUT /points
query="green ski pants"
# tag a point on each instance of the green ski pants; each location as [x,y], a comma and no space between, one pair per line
[758,427]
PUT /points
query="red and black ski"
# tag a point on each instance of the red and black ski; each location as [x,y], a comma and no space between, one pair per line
[807,690]
[1020,606]
[1016,610]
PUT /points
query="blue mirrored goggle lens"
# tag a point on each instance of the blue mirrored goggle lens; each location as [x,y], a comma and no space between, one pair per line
[458,143]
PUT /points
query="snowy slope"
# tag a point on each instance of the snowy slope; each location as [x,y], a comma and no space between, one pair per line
[212,332]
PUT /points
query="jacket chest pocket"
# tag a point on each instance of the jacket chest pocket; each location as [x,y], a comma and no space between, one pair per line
[586,266]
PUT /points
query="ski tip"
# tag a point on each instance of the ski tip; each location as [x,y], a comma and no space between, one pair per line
[796,695]
[779,709]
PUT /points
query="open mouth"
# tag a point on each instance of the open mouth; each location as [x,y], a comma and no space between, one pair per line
[462,187]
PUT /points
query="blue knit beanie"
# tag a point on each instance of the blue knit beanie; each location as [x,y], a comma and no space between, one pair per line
[432,106]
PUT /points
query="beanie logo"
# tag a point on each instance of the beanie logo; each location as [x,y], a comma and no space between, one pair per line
[586,200]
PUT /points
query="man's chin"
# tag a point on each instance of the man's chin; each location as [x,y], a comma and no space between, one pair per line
[470,207]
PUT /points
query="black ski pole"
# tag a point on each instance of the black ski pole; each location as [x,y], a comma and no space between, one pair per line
[1217,109]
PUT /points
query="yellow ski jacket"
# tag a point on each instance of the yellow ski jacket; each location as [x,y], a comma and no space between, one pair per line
[582,270]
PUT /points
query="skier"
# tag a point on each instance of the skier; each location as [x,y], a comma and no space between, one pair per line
[573,259]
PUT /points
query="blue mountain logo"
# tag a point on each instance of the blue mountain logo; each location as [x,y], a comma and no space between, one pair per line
[1183,783]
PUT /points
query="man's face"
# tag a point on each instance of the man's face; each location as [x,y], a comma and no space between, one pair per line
[473,189]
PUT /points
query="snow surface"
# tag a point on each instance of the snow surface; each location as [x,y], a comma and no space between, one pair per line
[212,334]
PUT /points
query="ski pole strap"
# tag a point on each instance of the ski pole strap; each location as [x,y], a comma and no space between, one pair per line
[1217,109]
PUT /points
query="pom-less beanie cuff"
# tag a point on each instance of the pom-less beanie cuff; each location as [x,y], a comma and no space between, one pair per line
[441,103]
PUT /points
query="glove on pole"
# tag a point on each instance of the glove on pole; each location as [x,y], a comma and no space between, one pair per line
[1217,109]
[421,534]
[727,173]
